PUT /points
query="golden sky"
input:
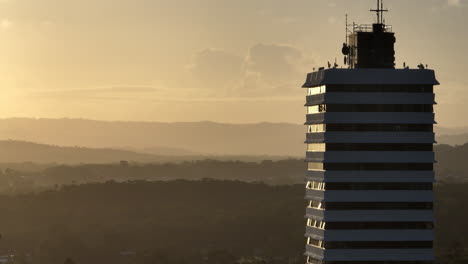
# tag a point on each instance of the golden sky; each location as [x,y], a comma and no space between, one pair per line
[237,61]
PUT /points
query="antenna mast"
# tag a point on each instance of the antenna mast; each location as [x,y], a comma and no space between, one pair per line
[346,30]
[380,11]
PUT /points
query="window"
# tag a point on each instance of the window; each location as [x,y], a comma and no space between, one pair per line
[311,260]
[379,225]
[321,147]
[316,90]
[315,223]
[379,186]
[368,244]
[370,108]
[371,128]
[313,166]
[376,244]
[377,206]
[314,242]
[368,225]
[315,204]
[383,88]
[353,186]
[312,185]
[315,109]
[316,128]
[379,262]
[371,166]
[316,147]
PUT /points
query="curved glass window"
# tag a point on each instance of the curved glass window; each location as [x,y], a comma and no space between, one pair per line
[316,147]
[379,225]
[315,223]
[390,108]
[315,204]
[370,128]
[312,185]
[382,88]
[314,166]
[316,128]
[377,206]
[316,90]
[322,147]
[368,244]
[315,109]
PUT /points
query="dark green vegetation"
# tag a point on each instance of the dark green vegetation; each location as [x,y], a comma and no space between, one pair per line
[208,221]
[156,222]
[25,177]
[452,165]
[179,212]
[272,172]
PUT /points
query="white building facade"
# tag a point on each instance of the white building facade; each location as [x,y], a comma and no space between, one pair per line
[370,158]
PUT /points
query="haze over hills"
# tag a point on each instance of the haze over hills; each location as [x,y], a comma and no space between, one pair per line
[14,153]
[18,151]
[203,137]
[176,139]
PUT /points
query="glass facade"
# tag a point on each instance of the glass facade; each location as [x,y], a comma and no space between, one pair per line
[317,90]
[376,205]
[321,147]
[319,128]
[315,166]
[330,209]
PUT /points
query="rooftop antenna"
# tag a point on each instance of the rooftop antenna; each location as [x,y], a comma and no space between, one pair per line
[346,49]
[346,30]
[380,11]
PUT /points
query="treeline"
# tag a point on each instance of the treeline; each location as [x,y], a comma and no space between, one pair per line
[26,177]
[184,222]
[156,222]
[271,172]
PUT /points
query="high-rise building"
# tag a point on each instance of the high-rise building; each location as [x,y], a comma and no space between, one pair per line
[370,155]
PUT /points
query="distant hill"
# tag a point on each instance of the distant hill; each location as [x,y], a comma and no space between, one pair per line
[202,137]
[29,156]
[18,151]
[450,131]
[50,165]
[458,139]
[452,136]
[177,139]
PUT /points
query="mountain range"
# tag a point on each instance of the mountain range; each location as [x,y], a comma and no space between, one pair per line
[144,140]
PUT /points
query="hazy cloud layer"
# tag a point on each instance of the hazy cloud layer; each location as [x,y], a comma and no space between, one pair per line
[266,70]
[216,69]
[185,60]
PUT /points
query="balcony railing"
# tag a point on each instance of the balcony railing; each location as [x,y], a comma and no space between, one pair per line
[369,28]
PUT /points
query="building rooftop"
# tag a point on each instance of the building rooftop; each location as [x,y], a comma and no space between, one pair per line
[370,76]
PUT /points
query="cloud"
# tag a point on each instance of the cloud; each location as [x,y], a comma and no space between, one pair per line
[266,70]
[273,67]
[272,62]
[215,69]
[103,93]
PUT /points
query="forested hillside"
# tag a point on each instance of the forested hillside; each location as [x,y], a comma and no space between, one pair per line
[178,222]
[25,177]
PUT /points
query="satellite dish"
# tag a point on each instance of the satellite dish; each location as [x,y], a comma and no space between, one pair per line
[345,49]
